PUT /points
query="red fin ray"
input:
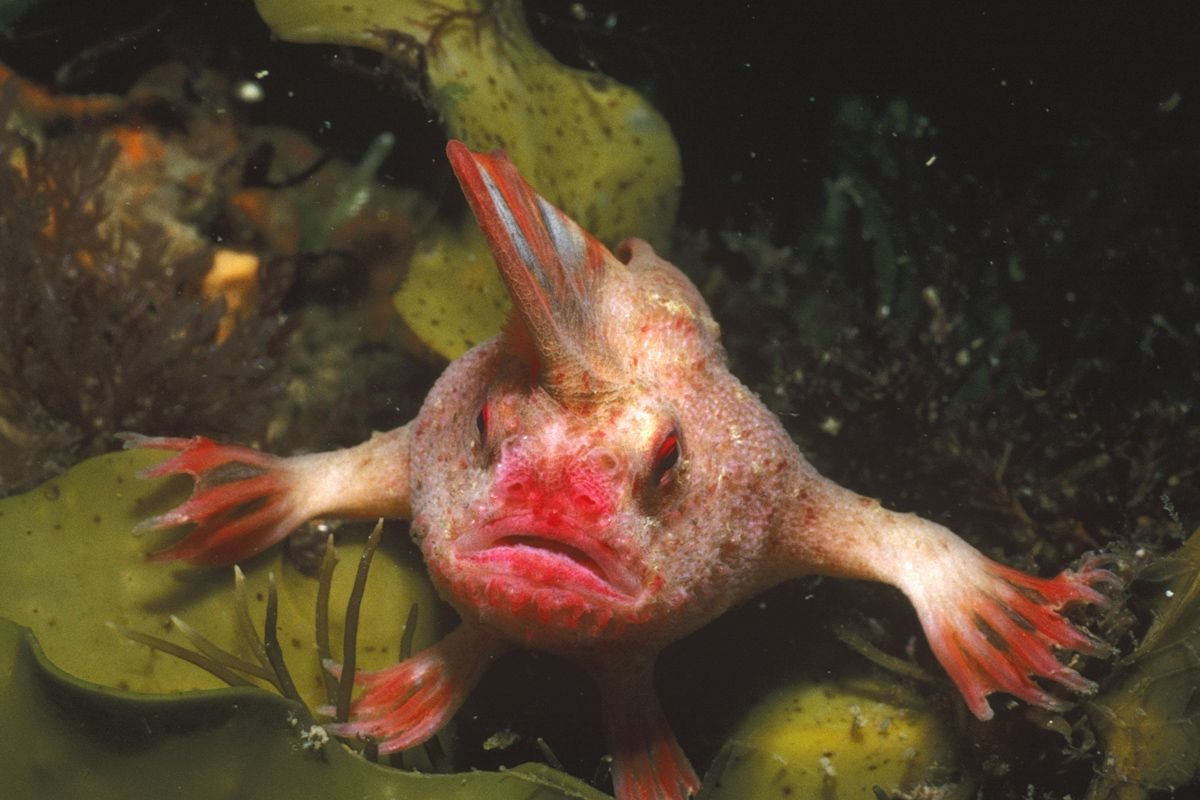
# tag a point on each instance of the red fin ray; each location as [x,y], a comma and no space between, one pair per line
[407,703]
[993,629]
[648,763]
[552,267]
[232,519]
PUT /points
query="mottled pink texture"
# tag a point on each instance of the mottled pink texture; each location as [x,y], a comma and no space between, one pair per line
[595,482]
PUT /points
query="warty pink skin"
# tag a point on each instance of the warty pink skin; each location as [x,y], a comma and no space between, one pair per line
[595,482]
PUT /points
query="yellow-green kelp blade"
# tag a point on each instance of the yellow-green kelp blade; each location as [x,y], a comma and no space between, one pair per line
[1148,719]
[66,738]
[838,740]
[72,568]
[595,148]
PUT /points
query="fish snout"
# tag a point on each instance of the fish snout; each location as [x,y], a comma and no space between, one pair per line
[583,488]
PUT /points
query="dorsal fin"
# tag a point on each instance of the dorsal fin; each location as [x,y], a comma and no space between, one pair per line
[552,267]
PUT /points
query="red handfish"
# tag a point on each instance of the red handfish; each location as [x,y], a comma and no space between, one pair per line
[594,482]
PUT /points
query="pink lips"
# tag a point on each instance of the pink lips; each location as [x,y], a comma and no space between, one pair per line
[526,549]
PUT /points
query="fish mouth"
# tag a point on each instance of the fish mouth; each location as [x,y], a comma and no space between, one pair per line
[552,558]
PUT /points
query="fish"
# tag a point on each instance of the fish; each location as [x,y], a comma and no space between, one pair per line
[594,482]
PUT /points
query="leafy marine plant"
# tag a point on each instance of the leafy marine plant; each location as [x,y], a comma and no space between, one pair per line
[594,147]
[159,266]
[90,704]
[992,333]
[269,664]
[81,740]
[85,516]
[1149,720]
[94,309]
[846,735]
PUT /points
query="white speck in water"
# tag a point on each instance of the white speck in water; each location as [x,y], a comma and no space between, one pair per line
[250,92]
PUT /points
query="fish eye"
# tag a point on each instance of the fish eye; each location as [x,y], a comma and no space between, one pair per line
[481,422]
[665,457]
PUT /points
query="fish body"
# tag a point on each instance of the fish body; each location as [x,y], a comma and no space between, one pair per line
[594,482]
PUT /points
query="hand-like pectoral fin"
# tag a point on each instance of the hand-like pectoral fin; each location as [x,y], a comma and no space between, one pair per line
[245,500]
[993,628]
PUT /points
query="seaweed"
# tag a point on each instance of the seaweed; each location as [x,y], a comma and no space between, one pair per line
[593,146]
[72,566]
[994,333]
[103,323]
[230,743]
[838,737]
[1148,719]
[1018,362]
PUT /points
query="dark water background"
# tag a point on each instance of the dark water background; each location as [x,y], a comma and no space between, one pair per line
[750,88]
